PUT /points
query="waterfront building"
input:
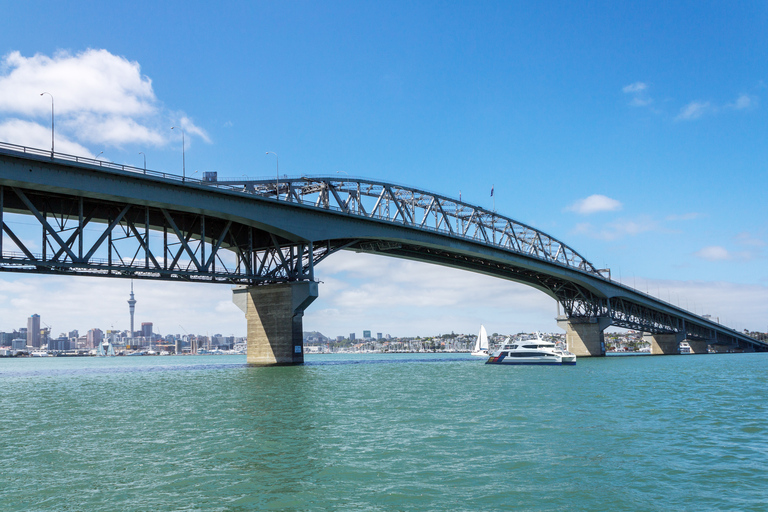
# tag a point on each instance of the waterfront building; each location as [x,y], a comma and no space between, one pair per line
[60,343]
[94,338]
[146,330]
[33,331]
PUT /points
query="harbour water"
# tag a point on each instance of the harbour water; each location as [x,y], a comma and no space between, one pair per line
[384,432]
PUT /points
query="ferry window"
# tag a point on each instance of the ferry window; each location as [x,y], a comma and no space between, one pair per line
[530,346]
[514,347]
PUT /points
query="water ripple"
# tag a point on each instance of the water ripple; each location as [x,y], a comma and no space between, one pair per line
[381,433]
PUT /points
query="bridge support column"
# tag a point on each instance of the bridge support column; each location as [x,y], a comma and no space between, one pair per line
[274,314]
[584,336]
[664,344]
[699,347]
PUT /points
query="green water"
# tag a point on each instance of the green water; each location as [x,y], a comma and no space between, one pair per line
[376,433]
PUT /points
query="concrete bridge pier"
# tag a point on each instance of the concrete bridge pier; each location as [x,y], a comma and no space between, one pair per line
[584,336]
[274,314]
[699,347]
[664,344]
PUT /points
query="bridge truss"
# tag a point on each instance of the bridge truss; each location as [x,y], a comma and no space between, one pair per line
[77,235]
[418,209]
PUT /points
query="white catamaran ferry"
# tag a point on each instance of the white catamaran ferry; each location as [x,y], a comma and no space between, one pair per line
[533,351]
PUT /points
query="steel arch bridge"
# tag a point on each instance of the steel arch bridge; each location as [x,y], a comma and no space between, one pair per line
[99,218]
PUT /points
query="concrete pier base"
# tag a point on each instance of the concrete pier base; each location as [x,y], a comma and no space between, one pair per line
[584,336]
[699,347]
[274,315]
[664,344]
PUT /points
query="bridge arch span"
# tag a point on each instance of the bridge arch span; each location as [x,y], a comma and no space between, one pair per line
[254,232]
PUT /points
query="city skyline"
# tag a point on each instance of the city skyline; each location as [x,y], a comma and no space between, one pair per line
[635,134]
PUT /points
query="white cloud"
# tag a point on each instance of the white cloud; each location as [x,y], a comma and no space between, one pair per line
[638,101]
[635,87]
[639,93]
[401,297]
[714,253]
[595,203]
[99,98]
[31,134]
[190,128]
[694,110]
[743,102]
[92,81]
[617,229]
[747,239]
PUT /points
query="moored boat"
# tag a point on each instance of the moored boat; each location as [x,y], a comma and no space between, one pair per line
[532,351]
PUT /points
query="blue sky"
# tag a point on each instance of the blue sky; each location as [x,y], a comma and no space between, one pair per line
[656,110]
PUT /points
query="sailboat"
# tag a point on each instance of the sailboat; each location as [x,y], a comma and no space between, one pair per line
[105,349]
[481,345]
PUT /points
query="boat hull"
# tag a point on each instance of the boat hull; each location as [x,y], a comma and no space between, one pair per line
[532,363]
[531,360]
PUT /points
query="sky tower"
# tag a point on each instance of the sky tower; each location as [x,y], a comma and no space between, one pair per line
[132,308]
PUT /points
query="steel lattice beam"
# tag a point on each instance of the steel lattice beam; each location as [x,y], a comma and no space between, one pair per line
[88,237]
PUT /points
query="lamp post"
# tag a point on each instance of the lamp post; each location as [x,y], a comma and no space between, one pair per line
[145,161]
[183,157]
[277,175]
[51,95]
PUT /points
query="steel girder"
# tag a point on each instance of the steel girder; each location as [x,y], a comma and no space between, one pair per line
[95,237]
[417,209]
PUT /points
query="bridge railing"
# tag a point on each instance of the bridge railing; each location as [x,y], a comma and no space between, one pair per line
[42,154]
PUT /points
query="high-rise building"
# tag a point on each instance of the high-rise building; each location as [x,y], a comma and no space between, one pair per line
[33,331]
[146,329]
[132,309]
[94,339]
[366,334]
[351,336]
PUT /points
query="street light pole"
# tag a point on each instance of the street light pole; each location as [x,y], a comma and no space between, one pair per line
[145,162]
[51,95]
[277,176]
[183,157]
